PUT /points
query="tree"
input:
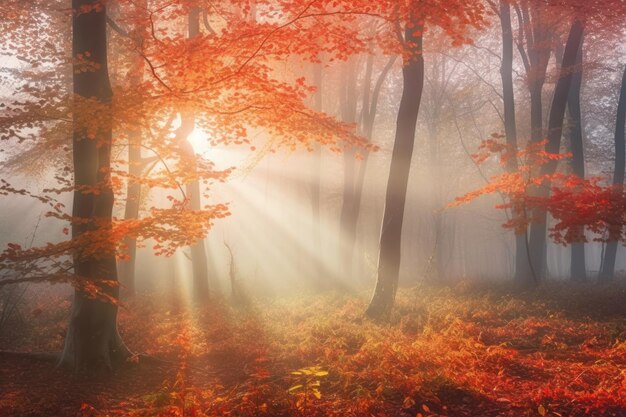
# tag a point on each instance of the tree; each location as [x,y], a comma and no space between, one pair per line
[391,229]
[225,78]
[578,269]
[538,234]
[607,271]
[410,32]
[347,223]
[187,125]
[367,120]
[534,43]
[92,340]
[523,267]
[136,164]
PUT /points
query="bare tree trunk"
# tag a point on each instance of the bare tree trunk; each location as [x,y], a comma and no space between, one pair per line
[316,186]
[131,211]
[198,251]
[538,231]
[346,224]
[92,342]
[523,271]
[370,107]
[391,230]
[135,168]
[578,269]
[607,273]
[537,33]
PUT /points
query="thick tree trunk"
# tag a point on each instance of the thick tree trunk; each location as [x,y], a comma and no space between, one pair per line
[538,231]
[523,272]
[607,273]
[578,269]
[391,229]
[92,342]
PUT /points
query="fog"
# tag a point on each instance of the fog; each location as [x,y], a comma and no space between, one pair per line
[272,232]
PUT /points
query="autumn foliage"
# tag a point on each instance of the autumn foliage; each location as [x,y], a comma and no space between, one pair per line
[574,203]
[228,78]
[446,352]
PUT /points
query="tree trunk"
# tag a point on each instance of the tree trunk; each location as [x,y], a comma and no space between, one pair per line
[192,190]
[538,231]
[391,230]
[537,34]
[131,211]
[370,107]
[523,271]
[320,275]
[347,226]
[578,269]
[135,169]
[92,342]
[607,273]
[198,251]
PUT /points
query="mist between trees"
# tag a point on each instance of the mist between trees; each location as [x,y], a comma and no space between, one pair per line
[264,148]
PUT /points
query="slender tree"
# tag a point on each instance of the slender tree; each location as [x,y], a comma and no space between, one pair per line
[347,225]
[198,250]
[607,272]
[538,231]
[393,216]
[523,269]
[136,164]
[316,168]
[534,43]
[578,269]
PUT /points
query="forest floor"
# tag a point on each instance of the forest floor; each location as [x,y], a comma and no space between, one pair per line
[460,351]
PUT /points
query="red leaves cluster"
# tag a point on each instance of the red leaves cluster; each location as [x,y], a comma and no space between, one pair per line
[574,203]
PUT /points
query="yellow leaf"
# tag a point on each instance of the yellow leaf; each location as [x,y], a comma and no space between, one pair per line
[294,388]
[541,409]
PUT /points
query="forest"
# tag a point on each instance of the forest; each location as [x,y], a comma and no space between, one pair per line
[390,208]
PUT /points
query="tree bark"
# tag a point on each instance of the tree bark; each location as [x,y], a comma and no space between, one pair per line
[346,224]
[92,342]
[391,230]
[534,29]
[607,273]
[199,260]
[538,231]
[135,168]
[131,211]
[370,107]
[320,275]
[523,272]
[578,269]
